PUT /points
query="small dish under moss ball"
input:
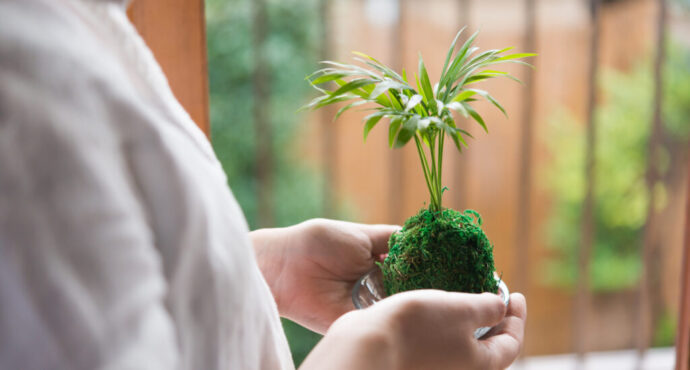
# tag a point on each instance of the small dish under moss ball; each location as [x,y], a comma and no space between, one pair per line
[369,289]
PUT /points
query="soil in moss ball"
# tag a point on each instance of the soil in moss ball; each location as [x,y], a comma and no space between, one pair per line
[445,250]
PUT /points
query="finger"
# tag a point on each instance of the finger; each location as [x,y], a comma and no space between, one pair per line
[379,235]
[516,309]
[472,310]
[487,309]
[505,346]
[501,350]
[517,306]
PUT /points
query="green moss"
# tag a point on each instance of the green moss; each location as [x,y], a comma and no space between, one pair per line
[445,250]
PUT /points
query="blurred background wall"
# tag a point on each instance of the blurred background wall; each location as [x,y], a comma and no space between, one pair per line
[527,177]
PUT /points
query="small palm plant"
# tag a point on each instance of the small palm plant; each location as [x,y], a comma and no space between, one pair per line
[437,248]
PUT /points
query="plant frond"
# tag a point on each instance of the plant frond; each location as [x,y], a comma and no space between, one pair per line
[424,112]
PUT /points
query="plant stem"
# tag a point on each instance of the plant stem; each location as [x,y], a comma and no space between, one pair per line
[434,175]
[425,167]
[440,169]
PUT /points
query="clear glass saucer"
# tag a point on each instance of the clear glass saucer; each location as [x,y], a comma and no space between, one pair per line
[369,289]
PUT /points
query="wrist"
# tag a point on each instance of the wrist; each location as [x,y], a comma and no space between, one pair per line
[269,248]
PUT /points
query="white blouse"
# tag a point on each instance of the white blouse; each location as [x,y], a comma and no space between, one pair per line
[121,246]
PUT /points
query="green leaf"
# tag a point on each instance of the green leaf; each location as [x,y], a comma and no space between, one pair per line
[419,86]
[313,102]
[324,100]
[486,74]
[476,116]
[384,86]
[428,92]
[458,107]
[464,133]
[435,120]
[483,58]
[393,130]
[491,99]
[372,120]
[459,60]
[457,139]
[348,107]
[381,99]
[332,100]
[328,77]
[464,95]
[515,56]
[414,100]
[395,102]
[494,72]
[349,69]
[352,85]
[439,105]
[423,124]
[379,66]
[450,53]
[407,131]
[480,61]
[454,133]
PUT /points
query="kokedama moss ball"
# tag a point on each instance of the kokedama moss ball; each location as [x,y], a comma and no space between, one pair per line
[445,250]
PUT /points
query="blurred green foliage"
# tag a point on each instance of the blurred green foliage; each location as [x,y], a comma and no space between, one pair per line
[623,121]
[665,331]
[291,48]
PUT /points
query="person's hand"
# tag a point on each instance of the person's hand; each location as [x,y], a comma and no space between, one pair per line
[424,329]
[311,267]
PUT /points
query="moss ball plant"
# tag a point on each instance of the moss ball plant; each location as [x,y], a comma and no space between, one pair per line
[438,248]
[446,250]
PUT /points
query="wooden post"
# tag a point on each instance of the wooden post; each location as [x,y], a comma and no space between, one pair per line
[587,228]
[523,211]
[175,31]
[647,298]
[396,159]
[683,334]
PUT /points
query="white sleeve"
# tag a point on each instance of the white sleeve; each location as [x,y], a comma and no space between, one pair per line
[81,284]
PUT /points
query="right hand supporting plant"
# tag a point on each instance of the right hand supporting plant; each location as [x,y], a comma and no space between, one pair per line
[425,329]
